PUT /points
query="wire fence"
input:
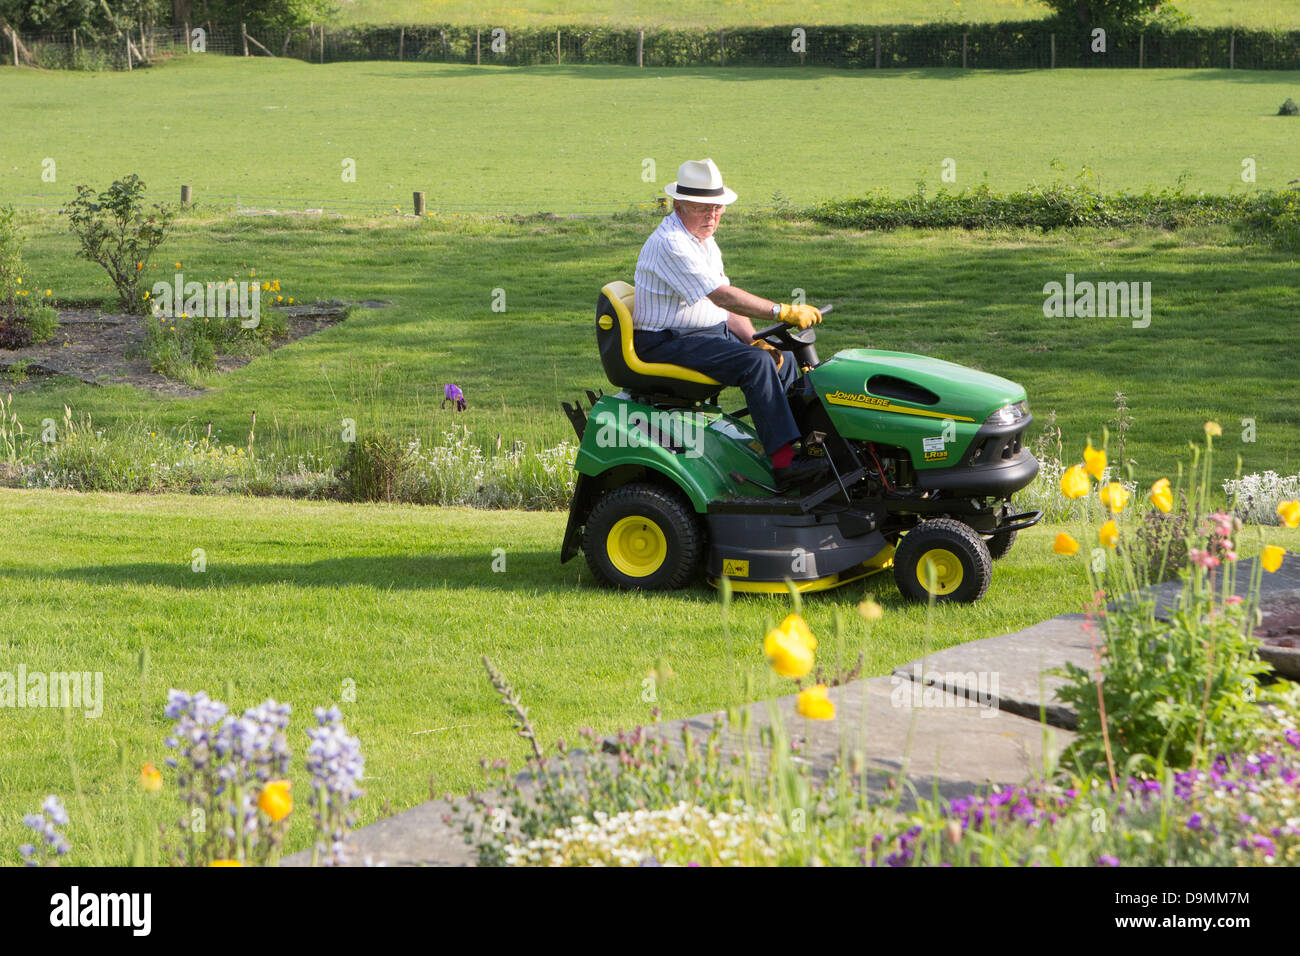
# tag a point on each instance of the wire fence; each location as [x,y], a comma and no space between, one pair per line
[1029,45]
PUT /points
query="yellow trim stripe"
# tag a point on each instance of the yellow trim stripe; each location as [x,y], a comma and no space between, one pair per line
[880,405]
[620,296]
[865,569]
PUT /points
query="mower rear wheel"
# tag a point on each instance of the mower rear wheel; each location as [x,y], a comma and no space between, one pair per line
[953,552]
[642,537]
[999,544]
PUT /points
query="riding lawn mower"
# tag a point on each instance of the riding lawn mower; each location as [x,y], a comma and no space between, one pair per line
[922,459]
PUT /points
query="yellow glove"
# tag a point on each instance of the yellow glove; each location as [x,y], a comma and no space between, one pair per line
[800,315]
[772,350]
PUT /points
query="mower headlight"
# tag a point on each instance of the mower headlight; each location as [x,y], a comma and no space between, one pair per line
[1008,414]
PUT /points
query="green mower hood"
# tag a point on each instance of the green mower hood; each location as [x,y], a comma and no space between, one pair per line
[928,406]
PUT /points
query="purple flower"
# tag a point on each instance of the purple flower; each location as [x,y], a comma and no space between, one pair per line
[1107,860]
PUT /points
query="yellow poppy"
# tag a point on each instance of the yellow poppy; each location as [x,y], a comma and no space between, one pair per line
[796,625]
[1094,461]
[150,779]
[225,863]
[1213,428]
[1272,558]
[1074,483]
[1064,544]
[1109,534]
[788,654]
[275,800]
[871,610]
[814,704]
[1289,512]
[1161,496]
[1114,496]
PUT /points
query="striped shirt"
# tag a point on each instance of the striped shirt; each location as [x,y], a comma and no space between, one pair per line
[674,275]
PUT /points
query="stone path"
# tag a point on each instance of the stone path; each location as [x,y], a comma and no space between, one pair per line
[954,721]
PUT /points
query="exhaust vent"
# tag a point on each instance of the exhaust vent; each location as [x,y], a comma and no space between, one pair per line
[888,386]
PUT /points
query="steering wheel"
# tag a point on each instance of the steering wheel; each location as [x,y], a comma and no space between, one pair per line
[784,335]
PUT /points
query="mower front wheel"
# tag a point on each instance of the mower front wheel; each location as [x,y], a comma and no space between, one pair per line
[642,537]
[945,555]
[999,544]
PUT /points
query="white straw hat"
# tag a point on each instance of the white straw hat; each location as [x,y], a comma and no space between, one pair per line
[698,180]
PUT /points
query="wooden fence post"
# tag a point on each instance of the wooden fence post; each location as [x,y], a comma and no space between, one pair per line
[125,36]
[877,51]
[478,47]
[13,40]
[722,45]
[243,33]
[185,195]
[322,44]
[963,50]
[1053,66]
[401,46]
[74,42]
[446,47]
[417,199]
[1232,51]
[1142,42]
[284,50]
[640,48]
[557,47]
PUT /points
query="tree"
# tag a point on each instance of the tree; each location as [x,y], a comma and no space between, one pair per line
[1090,13]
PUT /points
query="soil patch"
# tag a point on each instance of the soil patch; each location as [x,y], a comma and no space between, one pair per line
[93,346]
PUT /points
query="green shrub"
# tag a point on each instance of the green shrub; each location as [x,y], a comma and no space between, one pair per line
[371,468]
[114,230]
[21,322]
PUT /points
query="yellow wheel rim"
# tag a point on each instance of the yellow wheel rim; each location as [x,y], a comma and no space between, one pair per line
[636,546]
[948,571]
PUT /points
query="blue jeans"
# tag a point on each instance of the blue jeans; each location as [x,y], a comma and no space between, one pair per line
[718,353]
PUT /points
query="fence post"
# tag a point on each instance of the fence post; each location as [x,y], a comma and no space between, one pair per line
[243,32]
[722,45]
[446,47]
[963,50]
[13,40]
[478,47]
[125,36]
[1142,53]
[74,41]
[640,48]
[185,195]
[557,47]
[401,46]
[1053,66]
[417,200]
[322,44]
[1232,51]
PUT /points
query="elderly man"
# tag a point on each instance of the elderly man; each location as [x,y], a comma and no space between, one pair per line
[687,312]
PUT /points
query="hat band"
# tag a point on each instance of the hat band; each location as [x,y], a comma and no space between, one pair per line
[697,191]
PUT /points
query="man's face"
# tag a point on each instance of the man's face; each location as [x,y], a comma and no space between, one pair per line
[700,218]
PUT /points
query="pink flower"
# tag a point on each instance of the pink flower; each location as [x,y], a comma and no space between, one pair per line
[1236,598]
[1204,558]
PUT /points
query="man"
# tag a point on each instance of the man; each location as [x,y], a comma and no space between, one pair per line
[687,312]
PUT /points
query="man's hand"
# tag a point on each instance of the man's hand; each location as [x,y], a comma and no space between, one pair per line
[800,315]
[771,350]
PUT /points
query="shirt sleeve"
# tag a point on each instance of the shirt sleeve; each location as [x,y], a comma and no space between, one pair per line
[687,275]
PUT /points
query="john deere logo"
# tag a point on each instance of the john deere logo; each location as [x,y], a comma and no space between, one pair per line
[849,398]
[733,568]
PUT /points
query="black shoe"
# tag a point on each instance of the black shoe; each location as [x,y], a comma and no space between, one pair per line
[802,471]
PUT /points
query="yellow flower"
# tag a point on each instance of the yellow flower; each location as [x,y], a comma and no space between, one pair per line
[225,863]
[1212,428]
[797,626]
[49,291]
[150,778]
[1272,558]
[1074,483]
[1161,496]
[871,610]
[1114,496]
[1109,534]
[275,800]
[20,280]
[266,287]
[178,265]
[291,300]
[1094,461]
[814,704]
[279,298]
[788,654]
[1064,544]
[1289,512]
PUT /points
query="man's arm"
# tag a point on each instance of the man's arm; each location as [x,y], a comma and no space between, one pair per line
[742,306]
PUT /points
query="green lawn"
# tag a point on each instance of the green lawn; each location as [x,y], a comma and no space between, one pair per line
[1220,344]
[274,133]
[298,598]
[711,13]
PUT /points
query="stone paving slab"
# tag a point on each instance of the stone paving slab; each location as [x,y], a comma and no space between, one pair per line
[415,837]
[1011,668]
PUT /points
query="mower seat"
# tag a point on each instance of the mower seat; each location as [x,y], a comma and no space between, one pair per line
[655,381]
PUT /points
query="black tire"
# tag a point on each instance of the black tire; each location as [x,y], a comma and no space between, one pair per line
[666,523]
[963,571]
[999,544]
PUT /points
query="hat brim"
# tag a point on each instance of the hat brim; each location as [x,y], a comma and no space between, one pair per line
[726,199]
